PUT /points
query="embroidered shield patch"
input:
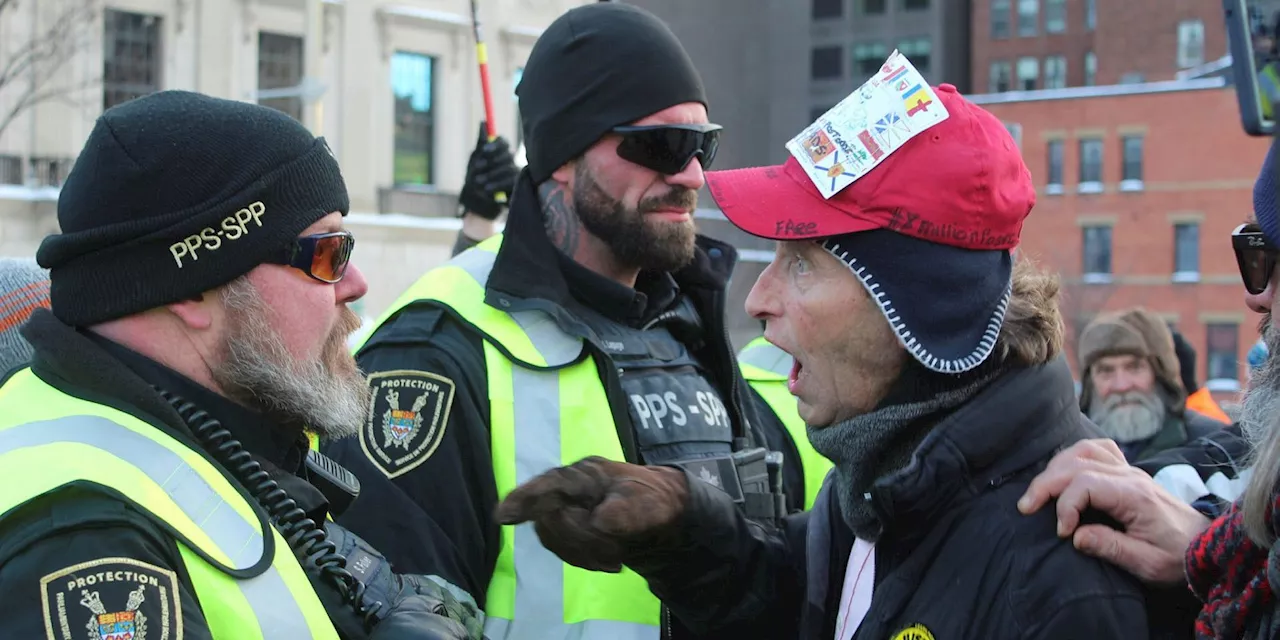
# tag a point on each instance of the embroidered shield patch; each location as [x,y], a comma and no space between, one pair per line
[112,599]
[407,418]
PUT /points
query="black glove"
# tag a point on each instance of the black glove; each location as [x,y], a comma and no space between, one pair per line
[447,601]
[491,170]
[1186,362]
[415,618]
[408,601]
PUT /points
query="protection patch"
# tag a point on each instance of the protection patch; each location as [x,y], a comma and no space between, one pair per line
[407,419]
[111,599]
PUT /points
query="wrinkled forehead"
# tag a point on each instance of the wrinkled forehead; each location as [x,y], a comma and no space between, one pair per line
[1117,361]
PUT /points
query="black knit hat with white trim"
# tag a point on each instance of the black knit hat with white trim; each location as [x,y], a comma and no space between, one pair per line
[945,304]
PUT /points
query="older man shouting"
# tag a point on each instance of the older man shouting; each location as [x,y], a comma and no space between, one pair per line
[928,369]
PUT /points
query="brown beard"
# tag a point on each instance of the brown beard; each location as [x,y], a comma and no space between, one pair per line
[327,394]
[635,240]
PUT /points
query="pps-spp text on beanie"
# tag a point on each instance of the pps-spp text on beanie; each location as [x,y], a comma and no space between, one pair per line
[177,193]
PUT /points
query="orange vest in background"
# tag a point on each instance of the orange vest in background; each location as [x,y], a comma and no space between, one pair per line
[1203,403]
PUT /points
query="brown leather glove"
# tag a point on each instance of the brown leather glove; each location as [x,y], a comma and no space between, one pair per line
[596,513]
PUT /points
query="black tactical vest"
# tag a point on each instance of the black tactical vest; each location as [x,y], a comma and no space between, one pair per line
[677,412]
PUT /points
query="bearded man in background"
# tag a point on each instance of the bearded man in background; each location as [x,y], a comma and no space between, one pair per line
[1131,384]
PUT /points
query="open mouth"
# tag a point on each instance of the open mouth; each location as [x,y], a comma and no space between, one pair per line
[794,377]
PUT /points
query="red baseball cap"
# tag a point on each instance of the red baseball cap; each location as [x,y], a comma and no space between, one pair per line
[962,182]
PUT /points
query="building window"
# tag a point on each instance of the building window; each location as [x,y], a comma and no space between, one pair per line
[1028,73]
[1055,16]
[412,83]
[915,5]
[1221,353]
[1055,72]
[867,58]
[1090,165]
[1090,15]
[1132,170]
[1132,77]
[825,63]
[1190,43]
[11,169]
[919,52]
[1097,253]
[1015,132]
[1028,17]
[873,7]
[1001,78]
[823,9]
[131,57]
[1090,69]
[1186,252]
[49,172]
[1000,18]
[280,67]
[1054,150]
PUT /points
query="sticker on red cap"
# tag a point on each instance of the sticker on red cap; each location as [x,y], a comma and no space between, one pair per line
[857,134]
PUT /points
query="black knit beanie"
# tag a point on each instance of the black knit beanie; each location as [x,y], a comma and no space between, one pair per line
[596,67]
[177,193]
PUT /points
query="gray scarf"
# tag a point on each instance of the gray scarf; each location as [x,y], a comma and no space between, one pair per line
[875,445]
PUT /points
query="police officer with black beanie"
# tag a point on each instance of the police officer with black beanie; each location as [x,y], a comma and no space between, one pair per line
[155,479]
[594,325]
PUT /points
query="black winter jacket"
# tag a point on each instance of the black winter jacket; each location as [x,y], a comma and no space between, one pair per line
[956,556]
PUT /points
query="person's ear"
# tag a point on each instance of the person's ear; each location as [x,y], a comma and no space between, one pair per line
[196,313]
[564,175]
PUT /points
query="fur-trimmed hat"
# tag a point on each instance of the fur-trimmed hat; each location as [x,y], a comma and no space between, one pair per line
[1135,332]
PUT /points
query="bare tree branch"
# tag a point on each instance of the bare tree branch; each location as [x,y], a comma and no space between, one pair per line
[35,71]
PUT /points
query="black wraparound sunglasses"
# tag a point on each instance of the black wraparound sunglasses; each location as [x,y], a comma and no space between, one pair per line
[1255,256]
[323,256]
[669,148]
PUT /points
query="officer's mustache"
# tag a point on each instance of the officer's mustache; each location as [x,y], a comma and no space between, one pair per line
[336,351]
[680,197]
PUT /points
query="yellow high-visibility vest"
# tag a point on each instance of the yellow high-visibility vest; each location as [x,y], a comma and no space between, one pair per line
[766,369]
[248,582]
[547,408]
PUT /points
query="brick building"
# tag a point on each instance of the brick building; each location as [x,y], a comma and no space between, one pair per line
[1022,45]
[1139,187]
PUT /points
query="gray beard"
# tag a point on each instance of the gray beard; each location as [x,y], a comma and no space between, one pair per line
[1131,422]
[327,395]
[1261,404]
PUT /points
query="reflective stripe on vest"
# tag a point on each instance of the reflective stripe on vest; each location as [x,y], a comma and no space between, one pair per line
[767,369]
[762,354]
[544,412]
[49,439]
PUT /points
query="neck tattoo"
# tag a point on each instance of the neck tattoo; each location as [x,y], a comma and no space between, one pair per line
[561,222]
